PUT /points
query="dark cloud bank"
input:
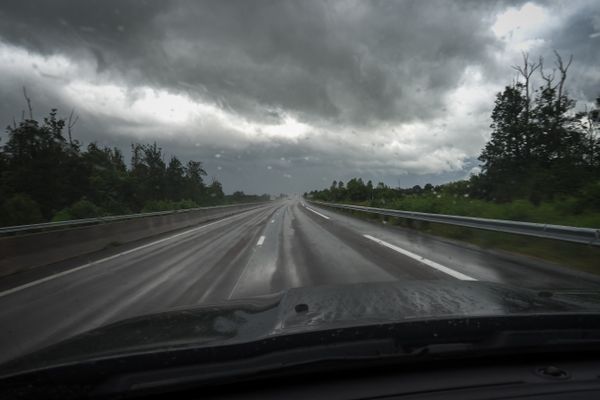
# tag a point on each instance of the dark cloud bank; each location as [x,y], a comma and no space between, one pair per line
[370,88]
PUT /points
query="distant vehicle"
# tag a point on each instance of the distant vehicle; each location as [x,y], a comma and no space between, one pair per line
[449,339]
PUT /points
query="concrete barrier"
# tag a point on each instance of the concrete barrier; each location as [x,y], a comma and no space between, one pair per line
[22,252]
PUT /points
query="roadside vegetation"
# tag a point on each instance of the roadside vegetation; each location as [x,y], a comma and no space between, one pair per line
[541,164]
[578,209]
[46,175]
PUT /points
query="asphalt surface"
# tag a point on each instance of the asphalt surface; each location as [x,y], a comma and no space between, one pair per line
[265,250]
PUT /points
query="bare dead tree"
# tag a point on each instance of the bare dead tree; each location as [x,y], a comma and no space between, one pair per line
[562,68]
[526,71]
[548,78]
[28,103]
[70,124]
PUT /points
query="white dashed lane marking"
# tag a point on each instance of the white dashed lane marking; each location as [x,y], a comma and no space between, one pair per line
[316,212]
[430,263]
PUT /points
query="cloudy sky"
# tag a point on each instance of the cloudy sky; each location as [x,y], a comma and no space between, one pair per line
[285,96]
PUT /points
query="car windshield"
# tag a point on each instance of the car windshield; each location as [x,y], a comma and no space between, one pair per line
[309,163]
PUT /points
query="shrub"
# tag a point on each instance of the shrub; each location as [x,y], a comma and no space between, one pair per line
[156,205]
[519,210]
[79,210]
[166,205]
[590,196]
[184,204]
[20,209]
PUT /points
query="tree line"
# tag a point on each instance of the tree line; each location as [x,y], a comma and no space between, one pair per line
[540,150]
[357,191]
[46,176]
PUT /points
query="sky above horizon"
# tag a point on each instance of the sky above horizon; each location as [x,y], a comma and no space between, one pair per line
[287,96]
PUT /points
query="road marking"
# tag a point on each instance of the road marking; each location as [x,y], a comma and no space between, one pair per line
[316,212]
[261,240]
[423,260]
[69,271]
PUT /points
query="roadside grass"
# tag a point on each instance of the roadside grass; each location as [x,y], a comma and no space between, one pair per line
[566,211]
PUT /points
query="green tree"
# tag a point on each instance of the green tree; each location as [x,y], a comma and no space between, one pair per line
[588,124]
[175,179]
[557,166]
[41,164]
[357,190]
[369,190]
[148,173]
[534,151]
[195,188]
[503,157]
[215,192]
[108,180]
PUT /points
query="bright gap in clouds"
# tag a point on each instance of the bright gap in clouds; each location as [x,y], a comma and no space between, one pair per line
[140,104]
[523,29]
[143,106]
[174,112]
[528,20]
[432,146]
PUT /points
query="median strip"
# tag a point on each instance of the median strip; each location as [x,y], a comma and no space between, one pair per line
[430,263]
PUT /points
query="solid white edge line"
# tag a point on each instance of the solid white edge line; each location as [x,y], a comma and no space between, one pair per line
[316,212]
[430,263]
[261,240]
[69,271]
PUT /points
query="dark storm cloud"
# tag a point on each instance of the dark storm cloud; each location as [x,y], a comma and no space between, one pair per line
[399,91]
[579,35]
[343,62]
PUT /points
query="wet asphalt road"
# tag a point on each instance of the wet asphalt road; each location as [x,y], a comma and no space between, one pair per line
[265,250]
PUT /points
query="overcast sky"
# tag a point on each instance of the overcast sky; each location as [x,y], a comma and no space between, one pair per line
[286,96]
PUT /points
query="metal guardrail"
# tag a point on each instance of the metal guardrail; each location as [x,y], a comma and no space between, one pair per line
[547,231]
[7,230]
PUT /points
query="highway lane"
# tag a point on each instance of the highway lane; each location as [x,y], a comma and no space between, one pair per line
[284,244]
